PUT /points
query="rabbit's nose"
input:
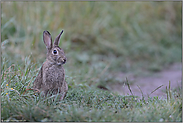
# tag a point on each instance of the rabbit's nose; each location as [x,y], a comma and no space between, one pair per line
[64,61]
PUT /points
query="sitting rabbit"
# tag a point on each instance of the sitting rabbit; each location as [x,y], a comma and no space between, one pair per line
[51,77]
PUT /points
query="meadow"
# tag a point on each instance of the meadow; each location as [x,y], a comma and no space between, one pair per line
[99,39]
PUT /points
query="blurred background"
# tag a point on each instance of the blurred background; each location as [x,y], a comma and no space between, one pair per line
[101,39]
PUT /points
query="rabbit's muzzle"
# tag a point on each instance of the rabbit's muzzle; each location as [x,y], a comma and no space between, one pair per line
[61,61]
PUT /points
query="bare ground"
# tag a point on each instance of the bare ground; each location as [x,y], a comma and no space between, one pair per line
[150,83]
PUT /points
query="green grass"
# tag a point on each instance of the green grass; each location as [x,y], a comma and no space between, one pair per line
[82,103]
[99,39]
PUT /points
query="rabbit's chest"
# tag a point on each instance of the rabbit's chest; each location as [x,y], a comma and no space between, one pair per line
[53,77]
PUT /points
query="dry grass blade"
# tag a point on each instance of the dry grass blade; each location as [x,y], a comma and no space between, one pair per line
[167,92]
[141,92]
[28,86]
[129,86]
[14,90]
[155,89]
[27,90]
[170,95]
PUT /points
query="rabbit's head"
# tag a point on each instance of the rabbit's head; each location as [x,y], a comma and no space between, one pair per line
[55,55]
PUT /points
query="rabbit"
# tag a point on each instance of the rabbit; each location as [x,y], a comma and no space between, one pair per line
[51,77]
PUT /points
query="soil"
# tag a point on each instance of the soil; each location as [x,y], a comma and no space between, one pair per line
[173,74]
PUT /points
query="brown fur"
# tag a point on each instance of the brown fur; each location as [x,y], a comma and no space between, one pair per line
[51,77]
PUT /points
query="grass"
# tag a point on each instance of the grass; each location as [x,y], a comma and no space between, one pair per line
[82,103]
[99,39]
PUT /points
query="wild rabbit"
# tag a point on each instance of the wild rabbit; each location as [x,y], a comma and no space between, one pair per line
[51,77]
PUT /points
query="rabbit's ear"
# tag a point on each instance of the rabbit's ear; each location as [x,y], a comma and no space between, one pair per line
[47,39]
[57,39]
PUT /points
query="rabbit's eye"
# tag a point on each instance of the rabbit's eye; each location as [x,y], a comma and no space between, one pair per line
[54,52]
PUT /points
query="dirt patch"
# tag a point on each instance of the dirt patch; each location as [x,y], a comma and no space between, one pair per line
[149,84]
